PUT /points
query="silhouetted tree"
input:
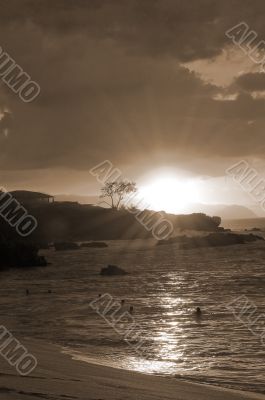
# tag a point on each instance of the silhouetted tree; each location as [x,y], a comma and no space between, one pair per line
[116,191]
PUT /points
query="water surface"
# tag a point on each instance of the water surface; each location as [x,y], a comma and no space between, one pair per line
[165,285]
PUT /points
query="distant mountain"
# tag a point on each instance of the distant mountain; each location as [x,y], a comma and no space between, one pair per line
[239,212]
[225,211]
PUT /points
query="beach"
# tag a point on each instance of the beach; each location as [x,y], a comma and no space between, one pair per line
[132,200]
[218,350]
[58,376]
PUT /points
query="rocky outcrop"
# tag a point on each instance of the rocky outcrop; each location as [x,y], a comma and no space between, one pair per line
[18,255]
[68,222]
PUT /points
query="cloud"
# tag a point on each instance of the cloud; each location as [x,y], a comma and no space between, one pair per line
[251,82]
[113,85]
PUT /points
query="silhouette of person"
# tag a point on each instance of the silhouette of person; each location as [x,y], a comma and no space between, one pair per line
[198,311]
[131,309]
[198,314]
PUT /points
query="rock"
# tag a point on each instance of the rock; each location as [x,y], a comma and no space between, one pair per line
[43,245]
[252,238]
[220,239]
[221,229]
[94,244]
[41,261]
[19,255]
[212,240]
[111,270]
[62,246]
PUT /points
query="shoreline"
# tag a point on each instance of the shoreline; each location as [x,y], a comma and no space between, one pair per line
[79,356]
[59,375]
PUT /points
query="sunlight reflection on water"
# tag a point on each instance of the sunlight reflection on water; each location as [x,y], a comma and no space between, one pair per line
[165,286]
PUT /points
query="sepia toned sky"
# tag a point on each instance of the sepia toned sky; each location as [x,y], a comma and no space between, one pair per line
[147,84]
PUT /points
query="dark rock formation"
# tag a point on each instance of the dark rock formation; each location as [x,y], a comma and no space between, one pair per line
[112,270]
[19,255]
[211,240]
[62,246]
[94,244]
[43,245]
[67,222]
[219,239]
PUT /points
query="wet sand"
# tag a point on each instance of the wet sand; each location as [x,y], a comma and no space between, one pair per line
[59,377]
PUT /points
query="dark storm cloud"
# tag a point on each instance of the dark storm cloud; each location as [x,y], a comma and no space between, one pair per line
[251,82]
[112,86]
[187,30]
[151,27]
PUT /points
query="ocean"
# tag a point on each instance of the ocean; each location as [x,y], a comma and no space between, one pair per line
[164,285]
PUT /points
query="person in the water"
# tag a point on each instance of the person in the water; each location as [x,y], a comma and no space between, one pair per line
[198,311]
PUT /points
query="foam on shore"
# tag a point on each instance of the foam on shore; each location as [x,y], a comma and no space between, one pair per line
[58,377]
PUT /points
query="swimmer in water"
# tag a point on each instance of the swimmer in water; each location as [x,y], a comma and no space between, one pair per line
[198,314]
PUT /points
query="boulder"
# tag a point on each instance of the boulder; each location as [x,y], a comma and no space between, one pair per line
[43,245]
[19,255]
[112,270]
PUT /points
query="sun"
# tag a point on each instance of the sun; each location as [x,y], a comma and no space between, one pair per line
[170,194]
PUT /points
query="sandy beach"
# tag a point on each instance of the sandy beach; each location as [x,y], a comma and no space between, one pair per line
[58,377]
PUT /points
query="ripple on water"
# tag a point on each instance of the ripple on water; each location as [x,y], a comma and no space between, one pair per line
[164,286]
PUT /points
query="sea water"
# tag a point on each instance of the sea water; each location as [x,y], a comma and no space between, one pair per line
[164,285]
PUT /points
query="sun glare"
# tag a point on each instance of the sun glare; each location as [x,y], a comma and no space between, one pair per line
[170,194]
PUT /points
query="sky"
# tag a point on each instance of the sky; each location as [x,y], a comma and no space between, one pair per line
[151,85]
